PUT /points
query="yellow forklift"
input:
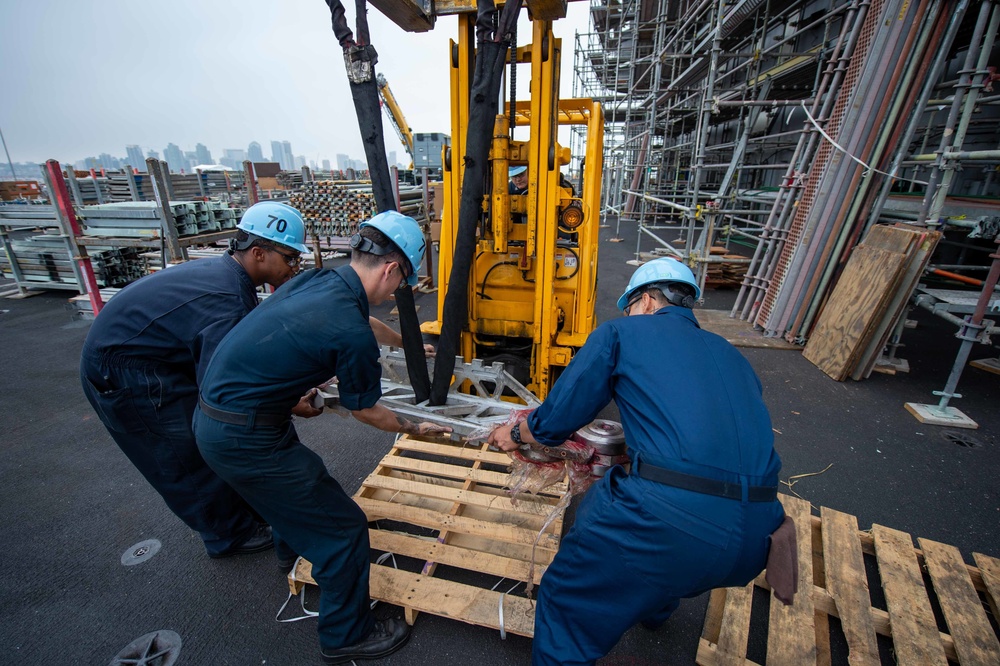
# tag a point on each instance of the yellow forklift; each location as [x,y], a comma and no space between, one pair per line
[533,279]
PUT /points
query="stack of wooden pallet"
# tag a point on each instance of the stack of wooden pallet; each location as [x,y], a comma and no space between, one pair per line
[333,208]
[726,273]
[869,299]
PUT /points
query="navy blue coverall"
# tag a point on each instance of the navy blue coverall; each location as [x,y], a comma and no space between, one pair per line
[315,327]
[140,368]
[691,403]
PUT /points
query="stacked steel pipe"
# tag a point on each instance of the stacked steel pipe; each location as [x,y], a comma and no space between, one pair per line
[336,208]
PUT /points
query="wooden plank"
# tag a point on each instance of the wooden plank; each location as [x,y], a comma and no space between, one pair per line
[847,583]
[855,305]
[791,632]
[732,646]
[436,520]
[463,558]
[452,451]
[914,631]
[975,641]
[456,472]
[990,568]
[453,600]
[498,502]
[738,332]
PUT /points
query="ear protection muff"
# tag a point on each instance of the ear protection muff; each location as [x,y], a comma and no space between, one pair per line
[676,298]
[362,244]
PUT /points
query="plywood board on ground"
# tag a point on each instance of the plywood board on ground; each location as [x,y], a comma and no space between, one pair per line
[461,546]
[739,333]
[836,580]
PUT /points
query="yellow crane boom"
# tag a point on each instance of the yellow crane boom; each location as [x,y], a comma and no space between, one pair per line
[396,116]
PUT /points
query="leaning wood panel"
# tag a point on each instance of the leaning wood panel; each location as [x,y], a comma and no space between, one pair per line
[848,585]
[975,642]
[856,303]
[914,631]
[990,568]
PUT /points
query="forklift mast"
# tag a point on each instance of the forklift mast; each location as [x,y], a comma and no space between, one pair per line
[532,284]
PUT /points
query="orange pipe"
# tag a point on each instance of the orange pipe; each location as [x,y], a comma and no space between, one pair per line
[959,278]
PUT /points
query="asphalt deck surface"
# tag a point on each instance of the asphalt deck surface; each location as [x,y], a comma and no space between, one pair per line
[71,504]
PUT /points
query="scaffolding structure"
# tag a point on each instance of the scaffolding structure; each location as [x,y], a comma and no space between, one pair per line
[791,127]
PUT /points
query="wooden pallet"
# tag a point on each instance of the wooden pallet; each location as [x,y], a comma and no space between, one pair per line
[451,519]
[833,582]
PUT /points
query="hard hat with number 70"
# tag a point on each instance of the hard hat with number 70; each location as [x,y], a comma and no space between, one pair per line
[405,234]
[276,222]
[664,269]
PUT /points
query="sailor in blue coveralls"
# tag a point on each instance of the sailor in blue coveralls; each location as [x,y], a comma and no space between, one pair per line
[699,504]
[315,327]
[147,352]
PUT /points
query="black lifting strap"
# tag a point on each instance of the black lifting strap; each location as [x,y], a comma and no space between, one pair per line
[492,41]
[360,59]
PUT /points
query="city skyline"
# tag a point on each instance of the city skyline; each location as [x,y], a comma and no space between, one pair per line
[71,108]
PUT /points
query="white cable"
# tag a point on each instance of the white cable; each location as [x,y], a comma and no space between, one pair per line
[503,595]
[836,145]
[382,558]
[302,598]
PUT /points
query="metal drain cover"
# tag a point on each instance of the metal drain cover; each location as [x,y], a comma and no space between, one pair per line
[140,552]
[157,648]
[963,439]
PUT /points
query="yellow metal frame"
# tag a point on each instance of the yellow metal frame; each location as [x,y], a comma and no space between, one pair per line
[396,116]
[524,285]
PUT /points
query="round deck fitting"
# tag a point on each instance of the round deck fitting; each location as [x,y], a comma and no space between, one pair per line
[963,439]
[157,648]
[140,552]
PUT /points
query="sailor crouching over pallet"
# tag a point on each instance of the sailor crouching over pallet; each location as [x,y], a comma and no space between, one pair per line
[315,327]
[700,503]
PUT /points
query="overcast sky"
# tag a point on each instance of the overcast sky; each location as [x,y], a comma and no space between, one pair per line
[81,78]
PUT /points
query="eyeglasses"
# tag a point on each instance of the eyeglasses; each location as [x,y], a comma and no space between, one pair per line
[293,260]
[405,281]
[635,299]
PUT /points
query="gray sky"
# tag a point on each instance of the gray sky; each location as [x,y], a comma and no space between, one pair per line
[81,78]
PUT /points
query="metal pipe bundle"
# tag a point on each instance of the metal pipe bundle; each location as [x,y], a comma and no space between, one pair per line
[336,208]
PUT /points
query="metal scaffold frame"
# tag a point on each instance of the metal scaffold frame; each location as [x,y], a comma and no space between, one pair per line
[790,126]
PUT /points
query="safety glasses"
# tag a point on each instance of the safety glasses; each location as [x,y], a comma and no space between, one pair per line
[635,299]
[293,260]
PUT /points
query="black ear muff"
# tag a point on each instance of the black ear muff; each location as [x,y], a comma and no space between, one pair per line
[676,298]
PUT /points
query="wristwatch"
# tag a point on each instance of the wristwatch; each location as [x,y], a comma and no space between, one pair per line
[515,434]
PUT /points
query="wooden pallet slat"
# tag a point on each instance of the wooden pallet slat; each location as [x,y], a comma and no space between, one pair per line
[848,585]
[914,631]
[990,568]
[975,642]
[791,631]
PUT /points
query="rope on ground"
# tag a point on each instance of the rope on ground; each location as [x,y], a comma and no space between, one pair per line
[792,480]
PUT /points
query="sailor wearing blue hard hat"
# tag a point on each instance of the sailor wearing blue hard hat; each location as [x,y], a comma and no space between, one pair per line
[696,509]
[315,327]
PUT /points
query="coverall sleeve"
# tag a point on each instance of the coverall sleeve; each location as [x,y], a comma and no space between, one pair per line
[205,342]
[359,375]
[582,391]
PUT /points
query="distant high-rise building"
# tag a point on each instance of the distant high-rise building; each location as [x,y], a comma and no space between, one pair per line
[343,162]
[135,158]
[233,157]
[106,161]
[175,158]
[152,153]
[300,161]
[392,158]
[202,154]
[254,153]
[276,151]
[287,158]
[326,165]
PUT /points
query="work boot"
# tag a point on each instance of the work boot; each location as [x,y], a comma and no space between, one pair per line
[259,541]
[386,637]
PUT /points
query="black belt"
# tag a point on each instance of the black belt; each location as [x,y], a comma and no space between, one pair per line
[700,484]
[243,419]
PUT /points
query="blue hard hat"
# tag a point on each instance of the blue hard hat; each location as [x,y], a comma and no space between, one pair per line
[405,234]
[276,222]
[664,269]
[515,171]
